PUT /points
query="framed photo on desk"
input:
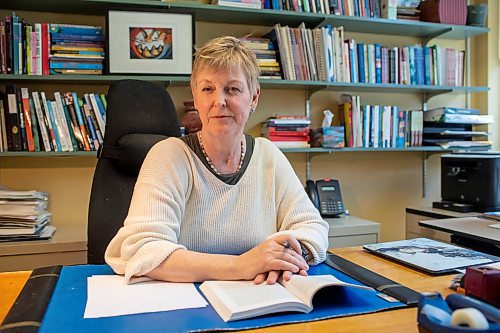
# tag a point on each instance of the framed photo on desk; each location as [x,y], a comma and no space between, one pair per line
[149,43]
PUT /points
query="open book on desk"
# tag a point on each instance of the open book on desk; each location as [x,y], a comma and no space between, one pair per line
[234,300]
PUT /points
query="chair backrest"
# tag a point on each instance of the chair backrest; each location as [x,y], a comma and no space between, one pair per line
[139,114]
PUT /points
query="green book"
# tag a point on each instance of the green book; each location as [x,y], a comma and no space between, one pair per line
[34,126]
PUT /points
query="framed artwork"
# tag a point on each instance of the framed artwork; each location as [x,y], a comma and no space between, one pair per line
[149,42]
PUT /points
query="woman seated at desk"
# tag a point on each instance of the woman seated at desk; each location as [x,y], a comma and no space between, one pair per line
[219,204]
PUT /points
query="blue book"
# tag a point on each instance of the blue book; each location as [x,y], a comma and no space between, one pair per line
[427,65]
[74,65]
[74,37]
[378,63]
[361,61]
[413,69]
[101,107]
[367,8]
[419,65]
[353,60]
[73,29]
[395,124]
[16,39]
[78,111]
[401,129]
[356,8]
[376,8]
[54,126]
[329,60]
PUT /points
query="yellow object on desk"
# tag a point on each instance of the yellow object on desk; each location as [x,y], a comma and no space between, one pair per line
[11,284]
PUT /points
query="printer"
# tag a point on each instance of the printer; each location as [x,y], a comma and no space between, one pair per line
[470,182]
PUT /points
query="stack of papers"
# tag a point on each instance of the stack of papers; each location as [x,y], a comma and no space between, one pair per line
[24,215]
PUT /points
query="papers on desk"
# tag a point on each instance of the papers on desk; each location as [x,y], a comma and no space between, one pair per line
[109,295]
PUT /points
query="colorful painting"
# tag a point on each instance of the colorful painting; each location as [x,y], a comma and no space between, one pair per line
[150,43]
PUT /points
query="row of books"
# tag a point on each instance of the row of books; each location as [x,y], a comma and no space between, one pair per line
[24,215]
[253,4]
[266,56]
[379,126]
[323,54]
[32,122]
[287,131]
[49,48]
[360,8]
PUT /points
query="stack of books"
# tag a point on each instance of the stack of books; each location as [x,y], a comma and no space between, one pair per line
[287,131]
[266,56]
[408,10]
[76,49]
[452,127]
[24,215]
[253,4]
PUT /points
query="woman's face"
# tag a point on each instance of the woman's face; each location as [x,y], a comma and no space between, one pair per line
[223,100]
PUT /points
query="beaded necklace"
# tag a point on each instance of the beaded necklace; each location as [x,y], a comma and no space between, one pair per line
[209,161]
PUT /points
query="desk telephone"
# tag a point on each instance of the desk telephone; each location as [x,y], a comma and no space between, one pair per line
[326,197]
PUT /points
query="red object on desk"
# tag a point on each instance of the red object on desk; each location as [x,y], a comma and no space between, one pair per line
[483,283]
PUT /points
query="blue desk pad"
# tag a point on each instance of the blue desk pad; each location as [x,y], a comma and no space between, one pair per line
[66,308]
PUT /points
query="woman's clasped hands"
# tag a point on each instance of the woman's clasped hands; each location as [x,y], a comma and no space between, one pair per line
[275,257]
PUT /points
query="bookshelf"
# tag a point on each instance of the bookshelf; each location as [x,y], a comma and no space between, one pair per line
[228,15]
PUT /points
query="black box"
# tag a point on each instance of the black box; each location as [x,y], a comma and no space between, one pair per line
[472,179]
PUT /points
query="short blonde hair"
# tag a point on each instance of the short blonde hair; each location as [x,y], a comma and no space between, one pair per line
[226,53]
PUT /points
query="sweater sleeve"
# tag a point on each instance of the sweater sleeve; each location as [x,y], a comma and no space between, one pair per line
[296,213]
[151,229]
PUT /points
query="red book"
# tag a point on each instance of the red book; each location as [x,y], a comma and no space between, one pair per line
[302,131]
[27,118]
[288,138]
[45,49]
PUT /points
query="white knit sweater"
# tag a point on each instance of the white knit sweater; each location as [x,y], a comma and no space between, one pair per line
[179,203]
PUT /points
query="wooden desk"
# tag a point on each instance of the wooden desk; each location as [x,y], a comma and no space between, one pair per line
[396,321]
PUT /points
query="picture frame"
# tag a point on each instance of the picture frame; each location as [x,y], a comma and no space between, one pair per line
[150,42]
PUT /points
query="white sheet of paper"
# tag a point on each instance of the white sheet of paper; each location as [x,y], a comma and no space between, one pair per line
[108,296]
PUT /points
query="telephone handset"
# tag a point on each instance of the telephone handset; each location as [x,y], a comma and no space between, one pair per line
[326,197]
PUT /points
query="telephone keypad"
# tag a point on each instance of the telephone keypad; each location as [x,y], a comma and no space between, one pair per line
[332,207]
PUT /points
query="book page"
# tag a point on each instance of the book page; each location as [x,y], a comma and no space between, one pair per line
[243,299]
[304,287]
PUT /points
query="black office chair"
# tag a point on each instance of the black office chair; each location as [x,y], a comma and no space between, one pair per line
[139,114]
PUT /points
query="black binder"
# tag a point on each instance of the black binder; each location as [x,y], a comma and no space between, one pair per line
[372,279]
[27,313]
